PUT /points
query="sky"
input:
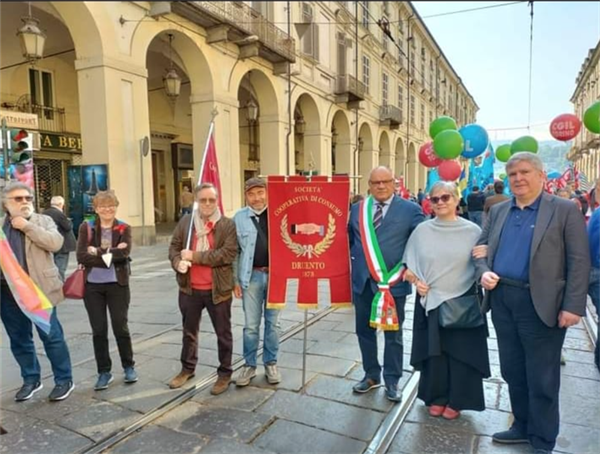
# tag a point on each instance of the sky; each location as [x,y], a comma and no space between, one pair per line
[489,49]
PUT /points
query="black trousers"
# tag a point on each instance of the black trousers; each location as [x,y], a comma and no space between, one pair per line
[191,307]
[447,381]
[530,363]
[97,298]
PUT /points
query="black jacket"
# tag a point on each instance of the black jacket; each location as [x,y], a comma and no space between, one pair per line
[65,227]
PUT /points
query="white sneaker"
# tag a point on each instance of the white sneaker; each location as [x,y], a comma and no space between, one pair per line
[272,373]
[245,376]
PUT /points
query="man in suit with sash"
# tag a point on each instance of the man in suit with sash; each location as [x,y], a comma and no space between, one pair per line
[536,276]
[378,230]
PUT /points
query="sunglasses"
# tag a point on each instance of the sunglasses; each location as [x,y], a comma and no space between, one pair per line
[207,201]
[445,198]
[22,198]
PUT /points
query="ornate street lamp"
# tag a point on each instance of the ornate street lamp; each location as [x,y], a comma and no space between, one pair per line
[252,111]
[300,126]
[32,38]
[172,81]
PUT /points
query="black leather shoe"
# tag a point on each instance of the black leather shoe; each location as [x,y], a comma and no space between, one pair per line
[542,451]
[511,436]
[366,385]
[392,393]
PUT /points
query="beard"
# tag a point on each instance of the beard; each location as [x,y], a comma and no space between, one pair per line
[24,211]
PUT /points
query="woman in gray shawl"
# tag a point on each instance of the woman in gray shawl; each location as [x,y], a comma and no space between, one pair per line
[452,362]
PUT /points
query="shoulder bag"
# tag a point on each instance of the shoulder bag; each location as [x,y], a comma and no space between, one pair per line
[74,286]
[462,312]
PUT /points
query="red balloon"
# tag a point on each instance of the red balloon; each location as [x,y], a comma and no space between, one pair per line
[427,157]
[565,127]
[449,170]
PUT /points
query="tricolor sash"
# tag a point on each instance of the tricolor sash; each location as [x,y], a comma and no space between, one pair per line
[383,309]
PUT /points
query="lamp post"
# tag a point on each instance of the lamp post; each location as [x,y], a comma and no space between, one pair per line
[252,117]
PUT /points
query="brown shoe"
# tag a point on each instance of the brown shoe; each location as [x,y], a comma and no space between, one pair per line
[179,380]
[220,386]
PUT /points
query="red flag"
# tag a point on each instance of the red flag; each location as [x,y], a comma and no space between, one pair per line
[209,172]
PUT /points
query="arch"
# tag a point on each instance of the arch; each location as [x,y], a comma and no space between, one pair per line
[400,164]
[310,111]
[365,137]
[193,60]
[385,155]
[341,144]
[90,26]
[264,86]
[411,168]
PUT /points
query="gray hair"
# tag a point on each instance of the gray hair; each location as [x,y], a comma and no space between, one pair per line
[12,187]
[447,186]
[202,186]
[57,201]
[526,156]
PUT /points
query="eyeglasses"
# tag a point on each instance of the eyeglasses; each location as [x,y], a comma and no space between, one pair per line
[377,183]
[445,198]
[107,207]
[207,201]
[22,198]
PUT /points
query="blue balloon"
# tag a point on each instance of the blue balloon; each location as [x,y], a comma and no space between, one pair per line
[554,174]
[476,140]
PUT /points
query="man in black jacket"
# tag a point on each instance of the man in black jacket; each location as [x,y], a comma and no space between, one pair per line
[65,227]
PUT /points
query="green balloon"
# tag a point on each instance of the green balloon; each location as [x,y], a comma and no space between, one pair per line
[525,143]
[448,144]
[503,153]
[591,118]
[441,124]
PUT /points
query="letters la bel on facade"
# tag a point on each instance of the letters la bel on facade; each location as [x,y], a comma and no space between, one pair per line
[308,241]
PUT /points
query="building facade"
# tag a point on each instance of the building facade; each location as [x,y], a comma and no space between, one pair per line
[585,151]
[297,87]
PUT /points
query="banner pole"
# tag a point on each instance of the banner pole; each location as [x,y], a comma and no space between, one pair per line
[305,329]
[214,113]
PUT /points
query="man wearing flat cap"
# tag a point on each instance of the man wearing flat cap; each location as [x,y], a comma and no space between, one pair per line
[251,273]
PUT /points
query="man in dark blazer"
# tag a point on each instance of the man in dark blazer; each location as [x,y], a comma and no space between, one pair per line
[536,276]
[65,227]
[393,219]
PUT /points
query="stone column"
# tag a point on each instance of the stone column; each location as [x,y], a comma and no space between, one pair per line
[367,160]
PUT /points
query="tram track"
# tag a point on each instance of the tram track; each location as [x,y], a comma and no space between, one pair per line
[112,439]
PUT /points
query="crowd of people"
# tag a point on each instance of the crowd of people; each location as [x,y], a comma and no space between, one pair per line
[528,258]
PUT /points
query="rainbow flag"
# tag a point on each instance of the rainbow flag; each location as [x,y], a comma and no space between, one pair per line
[30,299]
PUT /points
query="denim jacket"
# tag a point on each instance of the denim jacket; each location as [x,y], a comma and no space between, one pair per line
[246,236]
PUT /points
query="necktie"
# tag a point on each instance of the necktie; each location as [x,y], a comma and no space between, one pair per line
[378,216]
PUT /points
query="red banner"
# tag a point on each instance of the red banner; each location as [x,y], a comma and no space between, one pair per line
[309,260]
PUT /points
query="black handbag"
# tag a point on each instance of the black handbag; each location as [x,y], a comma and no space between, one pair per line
[462,312]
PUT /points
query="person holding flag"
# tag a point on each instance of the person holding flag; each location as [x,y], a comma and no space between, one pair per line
[30,286]
[378,230]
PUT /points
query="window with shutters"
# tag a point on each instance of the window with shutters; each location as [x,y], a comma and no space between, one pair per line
[310,40]
[401,100]
[366,71]
[422,116]
[365,14]
[423,74]
[412,63]
[41,90]
[386,8]
[342,65]
[385,41]
[264,8]
[384,89]
[413,108]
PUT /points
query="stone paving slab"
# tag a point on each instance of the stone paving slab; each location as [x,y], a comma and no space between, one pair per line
[289,437]
[291,379]
[321,364]
[27,435]
[412,439]
[324,414]
[335,350]
[157,439]
[340,390]
[229,446]
[247,398]
[99,420]
[214,422]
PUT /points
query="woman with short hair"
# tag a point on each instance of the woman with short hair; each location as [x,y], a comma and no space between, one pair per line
[103,248]
[452,362]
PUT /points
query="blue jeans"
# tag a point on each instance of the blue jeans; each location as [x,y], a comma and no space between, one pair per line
[594,292]
[254,301]
[20,331]
[61,260]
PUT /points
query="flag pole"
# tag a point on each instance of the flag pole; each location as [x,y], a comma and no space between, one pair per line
[211,127]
